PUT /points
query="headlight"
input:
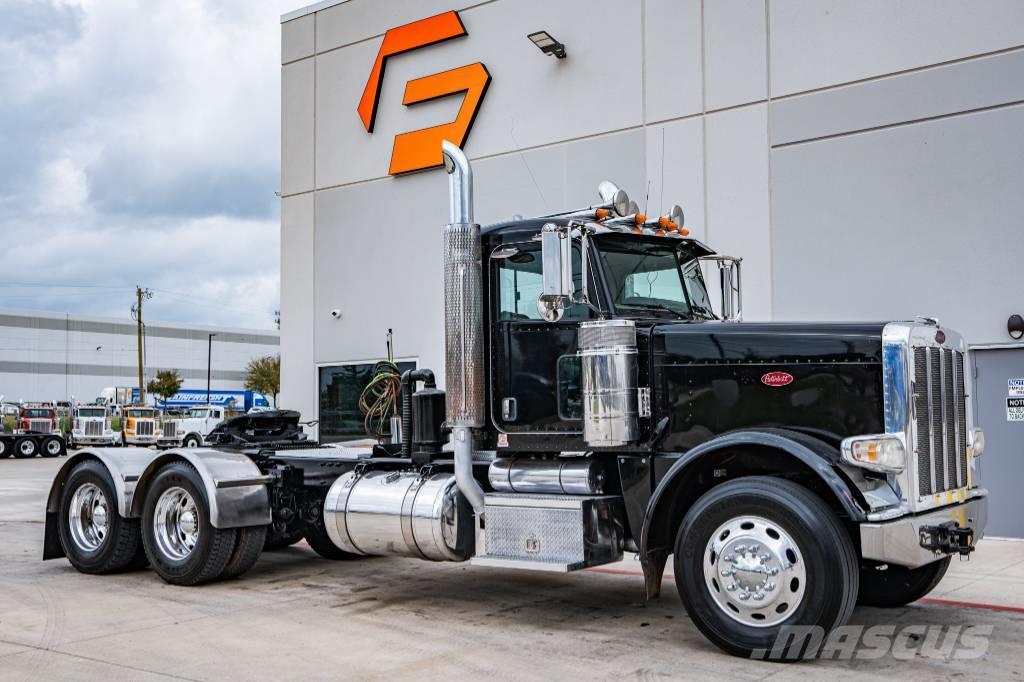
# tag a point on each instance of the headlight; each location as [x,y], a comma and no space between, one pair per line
[884,453]
[977,442]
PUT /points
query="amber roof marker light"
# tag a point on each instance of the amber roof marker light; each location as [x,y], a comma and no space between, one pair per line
[547,44]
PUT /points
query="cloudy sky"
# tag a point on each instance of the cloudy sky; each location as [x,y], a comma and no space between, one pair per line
[139,144]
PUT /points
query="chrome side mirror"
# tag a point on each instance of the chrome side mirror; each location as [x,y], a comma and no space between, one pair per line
[556,262]
[731,286]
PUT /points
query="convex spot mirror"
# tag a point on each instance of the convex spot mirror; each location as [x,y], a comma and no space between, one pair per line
[556,263]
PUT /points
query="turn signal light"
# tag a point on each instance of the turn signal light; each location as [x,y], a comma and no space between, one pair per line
[667,224]
[640,218]
[601,214]
[684,232]
[884,453]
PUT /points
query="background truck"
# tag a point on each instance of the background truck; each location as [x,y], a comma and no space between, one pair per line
[140,425]
[91,425]
[594,404]
[238,401]
[37,432]
[191,431]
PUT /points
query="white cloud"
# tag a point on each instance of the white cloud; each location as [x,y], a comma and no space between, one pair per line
[142,146]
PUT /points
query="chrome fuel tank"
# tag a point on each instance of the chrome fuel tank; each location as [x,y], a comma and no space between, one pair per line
[400,513]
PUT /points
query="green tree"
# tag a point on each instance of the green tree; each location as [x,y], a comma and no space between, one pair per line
[166,384]
[264,375]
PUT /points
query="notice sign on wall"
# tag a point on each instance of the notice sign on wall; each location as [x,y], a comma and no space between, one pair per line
[1015,388]
[1015,409]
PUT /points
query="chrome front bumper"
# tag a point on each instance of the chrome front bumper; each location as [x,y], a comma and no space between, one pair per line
[899,541]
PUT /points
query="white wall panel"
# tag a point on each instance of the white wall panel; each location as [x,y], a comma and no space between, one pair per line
[297,38]
[672,54]
[297,127]
[356,20]
[817,43]
[738,200]
[297,298]
[735,52]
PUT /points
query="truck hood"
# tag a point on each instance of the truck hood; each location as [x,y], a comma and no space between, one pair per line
[776,342]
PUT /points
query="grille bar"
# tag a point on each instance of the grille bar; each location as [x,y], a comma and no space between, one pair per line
[940,420]
[144,428]
[93,428]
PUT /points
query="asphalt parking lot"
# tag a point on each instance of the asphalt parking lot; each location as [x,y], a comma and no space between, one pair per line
[296,616]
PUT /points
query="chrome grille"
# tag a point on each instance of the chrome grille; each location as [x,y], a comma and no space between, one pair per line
[143,428]
[94,428]
[43,425]
[170,429]
[939,419]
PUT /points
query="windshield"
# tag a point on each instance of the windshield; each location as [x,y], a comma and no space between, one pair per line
[91,412]
[140,414]
[197,413]
[649,276]
[39,413]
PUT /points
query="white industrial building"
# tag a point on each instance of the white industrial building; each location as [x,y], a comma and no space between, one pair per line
[863,157]
[47,356]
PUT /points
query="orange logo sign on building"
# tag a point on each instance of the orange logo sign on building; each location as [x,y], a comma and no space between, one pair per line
[421,149]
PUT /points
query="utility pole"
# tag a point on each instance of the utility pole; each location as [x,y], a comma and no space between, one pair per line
[140,295]
[209,357]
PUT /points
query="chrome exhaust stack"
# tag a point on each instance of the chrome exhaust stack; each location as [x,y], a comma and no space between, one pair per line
[463,322]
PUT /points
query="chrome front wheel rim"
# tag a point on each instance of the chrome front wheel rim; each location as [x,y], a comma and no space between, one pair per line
[88,517]
[754,571]
[176,523]
[53,447]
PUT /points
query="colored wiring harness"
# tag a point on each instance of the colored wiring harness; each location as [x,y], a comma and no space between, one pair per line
[379,400]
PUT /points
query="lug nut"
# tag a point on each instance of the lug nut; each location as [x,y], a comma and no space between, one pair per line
[754,549]
[773,571]
[759,596]
[769,586]
[727,572]
[765,557]
[741,548]
[744,596]
[731,558]
[731,587]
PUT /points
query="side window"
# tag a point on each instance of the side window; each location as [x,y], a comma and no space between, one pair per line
[520,281]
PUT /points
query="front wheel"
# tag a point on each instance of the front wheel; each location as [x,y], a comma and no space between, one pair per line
[182,545]
[896,585]
[757,554]
[191,441]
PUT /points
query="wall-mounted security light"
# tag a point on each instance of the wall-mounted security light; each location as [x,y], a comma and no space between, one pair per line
[547,44]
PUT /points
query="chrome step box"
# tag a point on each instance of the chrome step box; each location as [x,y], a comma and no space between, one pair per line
[558,533]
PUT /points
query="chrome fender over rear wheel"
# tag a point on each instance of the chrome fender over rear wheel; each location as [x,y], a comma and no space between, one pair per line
[757,554]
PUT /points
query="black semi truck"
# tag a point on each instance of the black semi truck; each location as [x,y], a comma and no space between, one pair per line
[594,404]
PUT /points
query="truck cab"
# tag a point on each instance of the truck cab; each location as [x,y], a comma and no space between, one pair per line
[38,419]
[140,426]
[91,425]
[191,431]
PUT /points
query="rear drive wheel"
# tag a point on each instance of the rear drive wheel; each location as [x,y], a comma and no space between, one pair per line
[248,547]
[26,447]
[5,447]
[52,447]
[317,537]
[757,554]
[182,545]
[95,538]
[276,541]
[897,585]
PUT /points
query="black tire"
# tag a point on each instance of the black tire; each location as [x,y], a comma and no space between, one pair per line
[121,545]
[318,539]
[52,447]
[6,447]
[191,441]
[248,547]
[26,447]
[213,547]
[824,547]
[897,585]
[275,541]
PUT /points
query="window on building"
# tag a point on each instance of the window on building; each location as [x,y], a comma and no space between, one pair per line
[340,387]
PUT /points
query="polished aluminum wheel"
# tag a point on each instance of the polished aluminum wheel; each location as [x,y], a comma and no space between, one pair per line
[53,447]
[754,571]
[176,523]
[88,517]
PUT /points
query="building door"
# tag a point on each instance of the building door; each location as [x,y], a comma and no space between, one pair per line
[999,401]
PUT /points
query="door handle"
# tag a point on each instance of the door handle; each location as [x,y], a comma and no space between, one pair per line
[509,410]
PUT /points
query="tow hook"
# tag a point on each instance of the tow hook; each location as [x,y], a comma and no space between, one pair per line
[948,538]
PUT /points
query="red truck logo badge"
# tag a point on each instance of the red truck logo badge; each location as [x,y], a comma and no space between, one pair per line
[776,379]
[421,149]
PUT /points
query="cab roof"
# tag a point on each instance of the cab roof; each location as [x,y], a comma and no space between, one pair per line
[516,230]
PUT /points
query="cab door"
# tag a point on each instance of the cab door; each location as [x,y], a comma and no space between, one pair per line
[535,371]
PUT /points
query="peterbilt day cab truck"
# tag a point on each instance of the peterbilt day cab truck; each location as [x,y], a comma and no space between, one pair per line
[37,432]
[594,404]
[91,425]
[140,426]
[191,431]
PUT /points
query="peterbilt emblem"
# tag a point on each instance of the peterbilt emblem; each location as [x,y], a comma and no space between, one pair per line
[940,337]
[776,379]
